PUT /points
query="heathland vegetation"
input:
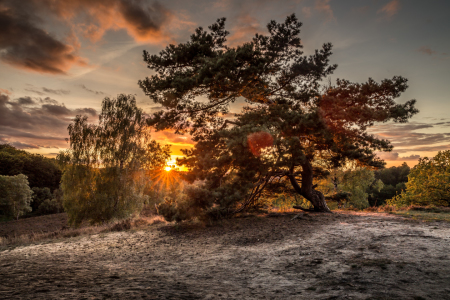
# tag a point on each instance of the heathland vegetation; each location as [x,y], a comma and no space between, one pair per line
[297,141]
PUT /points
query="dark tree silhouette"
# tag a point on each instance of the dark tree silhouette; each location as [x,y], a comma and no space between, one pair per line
[312,126]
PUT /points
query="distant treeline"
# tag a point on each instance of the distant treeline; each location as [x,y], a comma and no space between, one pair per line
[43,177]
[41,171]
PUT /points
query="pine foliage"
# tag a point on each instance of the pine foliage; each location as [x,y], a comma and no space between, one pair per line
[312,127]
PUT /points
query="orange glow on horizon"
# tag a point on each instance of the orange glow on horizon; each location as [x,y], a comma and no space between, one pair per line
[168,168]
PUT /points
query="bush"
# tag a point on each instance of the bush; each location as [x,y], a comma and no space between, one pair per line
[100,195]
[39,196]
[15,195]
[50,207]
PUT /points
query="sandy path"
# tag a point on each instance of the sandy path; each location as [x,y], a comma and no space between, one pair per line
[339,256]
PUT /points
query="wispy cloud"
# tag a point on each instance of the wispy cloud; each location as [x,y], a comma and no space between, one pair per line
[245,28]
[307,12]
[20,145]
[426,50]
[391,8]
[5,91]
[435,54]
[394,156]
[414,137]
[91,91]
[44,91]
[56,92]
[324,7]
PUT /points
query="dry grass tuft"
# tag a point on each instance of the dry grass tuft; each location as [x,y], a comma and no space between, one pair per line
[157,220]
[121,226]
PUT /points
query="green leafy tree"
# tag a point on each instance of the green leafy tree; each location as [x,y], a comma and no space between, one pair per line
[351,185]
[292,127]
[357,183]
[39,196]
[394,181]
[15,195]
[428,182]
[107,164]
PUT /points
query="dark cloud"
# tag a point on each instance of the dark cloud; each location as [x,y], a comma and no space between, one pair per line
[28,42]
[14,115]
[25,101]
[24,121]
[25,45]
[92,91]
[48,100]
[86,111]
[11,132]
[143,20]
[59,110]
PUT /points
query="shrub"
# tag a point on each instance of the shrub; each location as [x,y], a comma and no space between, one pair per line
[50,207]
[15,195]
[106,167]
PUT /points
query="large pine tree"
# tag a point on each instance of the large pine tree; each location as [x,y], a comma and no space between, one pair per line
[293,128]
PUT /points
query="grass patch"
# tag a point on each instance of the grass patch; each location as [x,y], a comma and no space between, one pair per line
[424,215]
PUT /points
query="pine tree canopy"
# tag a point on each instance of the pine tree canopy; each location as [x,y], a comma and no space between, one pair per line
[294,126]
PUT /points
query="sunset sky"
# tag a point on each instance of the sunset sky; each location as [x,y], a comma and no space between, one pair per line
[61,58]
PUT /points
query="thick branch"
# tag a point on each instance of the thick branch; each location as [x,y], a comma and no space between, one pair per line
[228,122]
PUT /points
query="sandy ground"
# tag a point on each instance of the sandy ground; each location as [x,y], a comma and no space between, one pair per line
[317,256]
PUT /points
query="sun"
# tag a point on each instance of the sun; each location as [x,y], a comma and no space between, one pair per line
[168,168]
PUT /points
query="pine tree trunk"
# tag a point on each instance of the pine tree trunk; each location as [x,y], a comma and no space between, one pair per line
[307,189]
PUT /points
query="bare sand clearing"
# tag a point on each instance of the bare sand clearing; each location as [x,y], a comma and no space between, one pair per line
[317,256]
